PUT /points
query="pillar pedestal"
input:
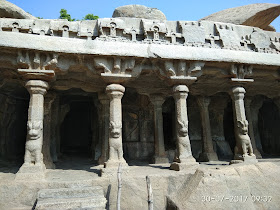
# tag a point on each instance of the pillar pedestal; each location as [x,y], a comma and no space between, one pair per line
[160,154]
[208,153]
[243,151]
[183,159]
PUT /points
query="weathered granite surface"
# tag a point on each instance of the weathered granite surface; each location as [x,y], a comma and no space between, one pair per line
[9,10]
[139,11]
[257,15]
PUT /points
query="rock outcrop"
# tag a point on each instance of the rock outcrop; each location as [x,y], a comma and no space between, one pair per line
[257,15]
[9,10]
[139,11]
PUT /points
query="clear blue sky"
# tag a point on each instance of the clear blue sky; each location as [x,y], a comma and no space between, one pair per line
[174,10]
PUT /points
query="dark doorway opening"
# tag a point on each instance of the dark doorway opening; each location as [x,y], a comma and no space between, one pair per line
[229,126]
[269,121]
[77,127]
[168,112]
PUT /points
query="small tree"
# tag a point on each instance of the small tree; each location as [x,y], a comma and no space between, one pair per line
[65,15]
[90,17]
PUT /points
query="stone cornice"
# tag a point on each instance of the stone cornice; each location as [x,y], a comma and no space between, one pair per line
[133,49]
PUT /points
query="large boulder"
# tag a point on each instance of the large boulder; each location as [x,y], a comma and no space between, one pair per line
[257,15]
[139,11]
[9,10]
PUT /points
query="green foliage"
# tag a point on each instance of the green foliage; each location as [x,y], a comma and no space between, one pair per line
[90,17]
[65,15]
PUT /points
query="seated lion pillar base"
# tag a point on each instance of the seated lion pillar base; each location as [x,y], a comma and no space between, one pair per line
[31,173]
[246,159]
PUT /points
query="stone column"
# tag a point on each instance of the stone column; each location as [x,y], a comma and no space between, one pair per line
[183,159]
[115,93]
[34,167]
[208,153]
[243,143]
[160,155]
[255,107]
[104,124]
[248,101]
[49,99]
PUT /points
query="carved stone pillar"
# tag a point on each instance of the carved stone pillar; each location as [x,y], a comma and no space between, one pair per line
[34,166]
[104,124]
[160,155]
[49,99]
[37,86]
[208,153]
[115,93]
[255,107]
[183,158]
[248,101]
[243,143]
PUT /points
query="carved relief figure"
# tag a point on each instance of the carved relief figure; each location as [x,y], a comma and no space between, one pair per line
[34,142]
[243,142]
[116,151]
[183,128]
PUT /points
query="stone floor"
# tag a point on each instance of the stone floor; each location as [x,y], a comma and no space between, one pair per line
[74,169]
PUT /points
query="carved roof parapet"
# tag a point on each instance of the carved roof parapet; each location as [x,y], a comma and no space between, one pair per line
[154,31]
[179,71]
[203,34]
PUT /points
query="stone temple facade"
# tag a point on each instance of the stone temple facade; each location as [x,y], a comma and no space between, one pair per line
[124,89]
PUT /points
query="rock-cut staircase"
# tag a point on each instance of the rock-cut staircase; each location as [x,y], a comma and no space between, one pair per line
[88,198]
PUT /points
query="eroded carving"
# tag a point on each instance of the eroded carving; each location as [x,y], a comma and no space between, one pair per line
[36,60]
[183,128]
[241,70]
[243,143]
[34,142]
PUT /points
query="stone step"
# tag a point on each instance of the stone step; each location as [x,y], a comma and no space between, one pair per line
[73,203]
[81,192]
[71,198]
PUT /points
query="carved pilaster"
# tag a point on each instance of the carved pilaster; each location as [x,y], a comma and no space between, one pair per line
[160,155]
[243,143]
[115,93]
[248,101]
[183,158]
[208,153]
[104,125]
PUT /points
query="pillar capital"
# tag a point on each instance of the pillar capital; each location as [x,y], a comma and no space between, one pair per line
[248,101]
[238,93]
[157,100]
[103,98]
[37,74]
[203,101]
[180,91]
[115,91]
[37,87]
